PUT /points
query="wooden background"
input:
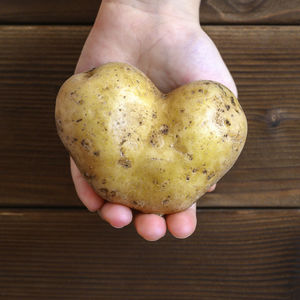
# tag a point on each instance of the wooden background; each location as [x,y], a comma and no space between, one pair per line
[247,243]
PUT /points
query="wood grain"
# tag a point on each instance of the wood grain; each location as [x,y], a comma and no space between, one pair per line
[35,60]
[250,12]
[65,254]
[212,12]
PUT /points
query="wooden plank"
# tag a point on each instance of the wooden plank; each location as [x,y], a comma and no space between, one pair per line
[212,12]
[34,61]
[234,254]
[250,12]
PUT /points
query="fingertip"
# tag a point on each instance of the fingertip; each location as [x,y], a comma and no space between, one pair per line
[183,224]
[212,188]
[116,215]
[150,226]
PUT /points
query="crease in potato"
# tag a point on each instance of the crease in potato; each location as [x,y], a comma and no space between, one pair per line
[154,152]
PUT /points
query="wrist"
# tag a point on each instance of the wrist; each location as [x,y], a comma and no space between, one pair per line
[182,9]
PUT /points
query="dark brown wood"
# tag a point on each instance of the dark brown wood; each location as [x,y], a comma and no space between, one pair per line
[212,12]
[35,60]
[65,254]
[250,12]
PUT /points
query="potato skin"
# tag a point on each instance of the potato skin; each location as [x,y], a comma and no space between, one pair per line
[154,152]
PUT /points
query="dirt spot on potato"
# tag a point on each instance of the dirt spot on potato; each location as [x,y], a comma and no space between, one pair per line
[210,176]
[190,156]
[227,122]
[124,162]
[164,129]
[89,176]
[103,192]
[85,144]
[232,101]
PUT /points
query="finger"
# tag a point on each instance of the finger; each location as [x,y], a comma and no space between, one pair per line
[150,226]
[212,188]
[116,215]
[84,191]
[182,224]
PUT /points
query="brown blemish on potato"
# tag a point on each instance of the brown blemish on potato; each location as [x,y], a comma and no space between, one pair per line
[89,176]
[103,192]
[112,193]
[103,181]
[187,178]
[227,107]
[85,144]
[164,184]
[59,128]
[182,110]
[232,101]
[194,170]
[124,162]
[96,153]
[227,122]
[165,202]
[164,129]
[204,171]
[79,120]
[190,156]
[210,176]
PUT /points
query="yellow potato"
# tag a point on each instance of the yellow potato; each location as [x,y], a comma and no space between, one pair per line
[154,152]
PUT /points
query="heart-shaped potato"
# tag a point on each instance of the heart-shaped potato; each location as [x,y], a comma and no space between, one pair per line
[154,152]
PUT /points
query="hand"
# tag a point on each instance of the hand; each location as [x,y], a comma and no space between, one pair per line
[165,41]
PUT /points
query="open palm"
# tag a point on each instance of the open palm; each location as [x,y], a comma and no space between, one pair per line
[172,50]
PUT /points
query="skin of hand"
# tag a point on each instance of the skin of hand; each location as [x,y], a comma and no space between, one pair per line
[165,40]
